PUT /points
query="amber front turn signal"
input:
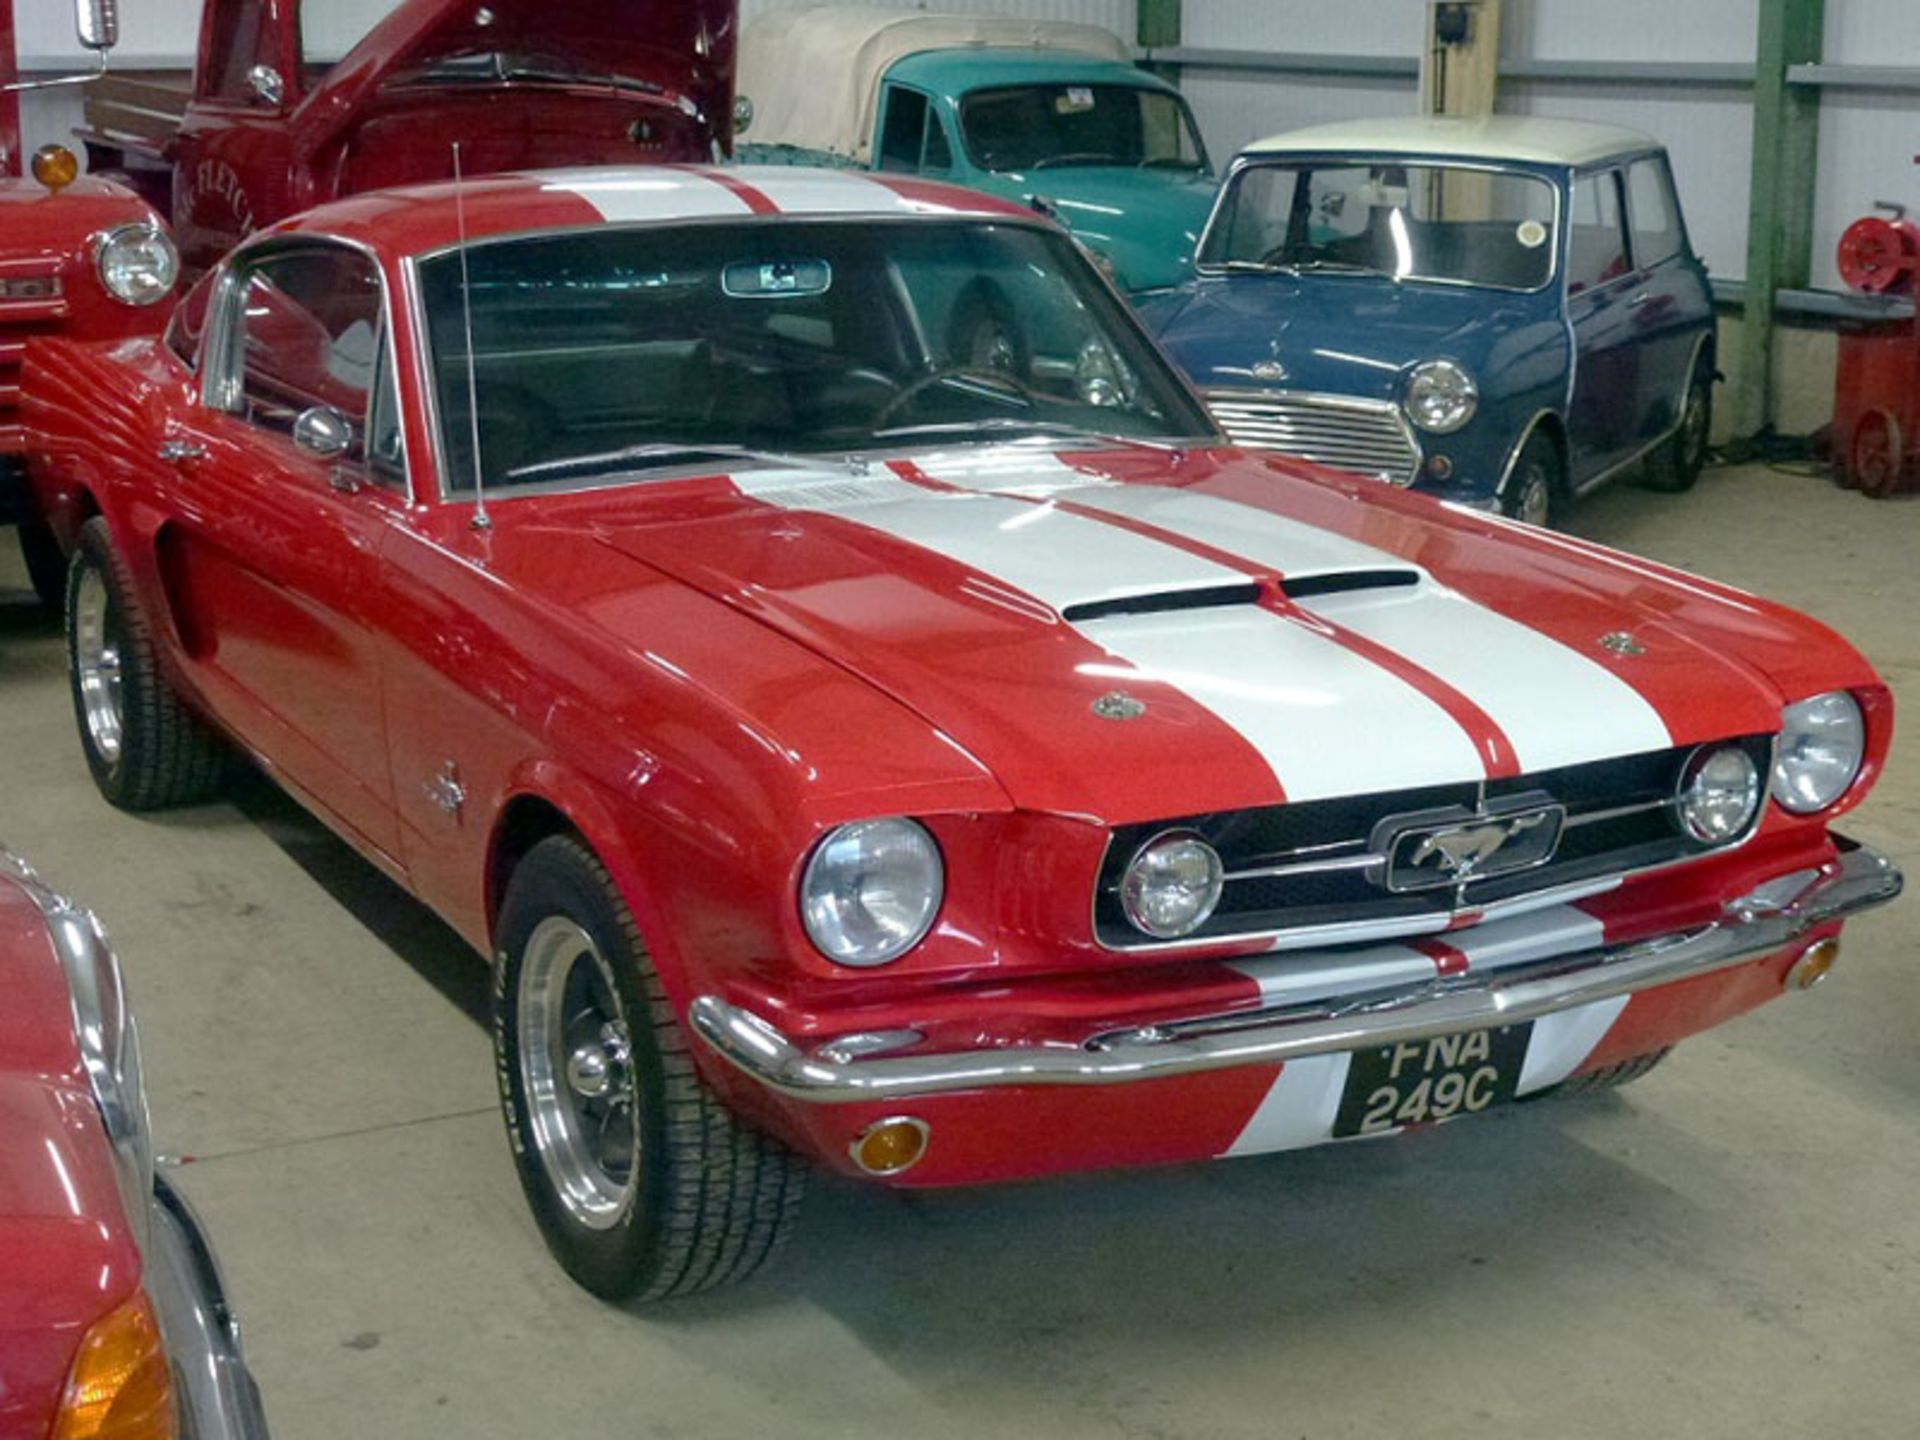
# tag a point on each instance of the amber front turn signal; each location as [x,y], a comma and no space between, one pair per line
[55,167]
[888,1147]
[1813,966]
[120,1387]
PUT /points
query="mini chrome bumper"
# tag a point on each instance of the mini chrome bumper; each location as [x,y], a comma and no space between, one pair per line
[1762,923]
[218,1399]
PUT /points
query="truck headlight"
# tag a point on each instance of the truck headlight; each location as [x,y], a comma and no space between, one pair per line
[137,263]
[871,891]
[1719,793]
[1171,886]
[1441,397]
[1823,742]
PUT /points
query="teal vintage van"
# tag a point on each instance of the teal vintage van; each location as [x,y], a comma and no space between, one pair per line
[1043,113]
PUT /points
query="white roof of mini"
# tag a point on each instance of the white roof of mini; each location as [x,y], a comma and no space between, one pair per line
[813,75]
[1522,138]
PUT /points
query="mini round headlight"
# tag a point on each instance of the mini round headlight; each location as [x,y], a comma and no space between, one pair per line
[1172,885]
[137,263]
[872,890]
[1719,793]
[1441,397]
[1823,742]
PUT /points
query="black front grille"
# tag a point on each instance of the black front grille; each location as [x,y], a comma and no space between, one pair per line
[1619,818]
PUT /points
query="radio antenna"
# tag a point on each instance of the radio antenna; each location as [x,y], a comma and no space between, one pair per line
[481,520]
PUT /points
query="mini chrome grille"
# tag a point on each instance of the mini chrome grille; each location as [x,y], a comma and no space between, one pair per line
[1330,862]
[1368,437]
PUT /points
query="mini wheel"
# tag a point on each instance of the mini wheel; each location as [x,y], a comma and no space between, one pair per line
[1536,490]
[643,1185]
[145,748]
[1675,466]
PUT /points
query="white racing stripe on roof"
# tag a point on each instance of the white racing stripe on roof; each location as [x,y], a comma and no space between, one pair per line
[1327,721]
[821,192]
[668,195]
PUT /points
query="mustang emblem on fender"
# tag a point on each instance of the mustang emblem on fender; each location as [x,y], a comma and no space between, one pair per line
[1461,852]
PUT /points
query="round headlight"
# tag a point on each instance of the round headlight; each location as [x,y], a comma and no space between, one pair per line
[137,263]
[1172,885]
[1719,794]
[1441,397]
[871,891]
[1822,744]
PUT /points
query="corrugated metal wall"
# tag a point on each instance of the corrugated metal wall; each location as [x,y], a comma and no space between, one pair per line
[1117,15]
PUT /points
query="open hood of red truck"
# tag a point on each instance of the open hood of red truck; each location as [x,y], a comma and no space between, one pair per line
[683,49]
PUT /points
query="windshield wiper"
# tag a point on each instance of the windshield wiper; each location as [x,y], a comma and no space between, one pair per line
[1060,429]
[643,457]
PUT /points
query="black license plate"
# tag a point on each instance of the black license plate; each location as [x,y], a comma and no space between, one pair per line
[1419,1082]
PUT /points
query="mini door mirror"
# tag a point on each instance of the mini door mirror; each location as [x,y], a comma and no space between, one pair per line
[266,84]
[323,431]
[98,23]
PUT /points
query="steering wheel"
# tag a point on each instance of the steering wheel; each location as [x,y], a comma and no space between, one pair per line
[991,379]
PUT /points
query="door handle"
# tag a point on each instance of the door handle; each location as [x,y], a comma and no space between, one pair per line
[344,481]
[176,450]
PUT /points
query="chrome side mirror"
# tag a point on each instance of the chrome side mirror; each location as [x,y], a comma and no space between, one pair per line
[266,84]
[323,431]
[98,23]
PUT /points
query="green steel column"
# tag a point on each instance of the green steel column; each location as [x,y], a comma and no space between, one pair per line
[1160,26]
[1786,137]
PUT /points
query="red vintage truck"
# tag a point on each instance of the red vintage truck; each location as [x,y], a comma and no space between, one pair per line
[291,103]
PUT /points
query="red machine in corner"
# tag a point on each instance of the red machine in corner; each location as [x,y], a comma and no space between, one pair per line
[1876,408]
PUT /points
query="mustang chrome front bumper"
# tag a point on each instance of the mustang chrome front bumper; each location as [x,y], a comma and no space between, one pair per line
[1764,922]
[217,1396]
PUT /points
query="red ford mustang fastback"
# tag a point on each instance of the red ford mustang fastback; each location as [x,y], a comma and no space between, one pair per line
[799,626]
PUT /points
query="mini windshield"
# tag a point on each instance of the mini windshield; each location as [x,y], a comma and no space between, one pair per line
[615,351]
[1387,217]
[1034,127]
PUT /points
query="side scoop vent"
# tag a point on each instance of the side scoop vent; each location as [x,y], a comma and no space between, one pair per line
[1346,582]
[1209,597]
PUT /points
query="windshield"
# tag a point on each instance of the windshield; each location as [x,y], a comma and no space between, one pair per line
[1032,127]
[1411,222]
[609,352]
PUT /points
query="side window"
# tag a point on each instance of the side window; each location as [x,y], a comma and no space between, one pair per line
[904,131]
[938,157]
[308,334]
[386,456]
[1654,215]
[1597,241]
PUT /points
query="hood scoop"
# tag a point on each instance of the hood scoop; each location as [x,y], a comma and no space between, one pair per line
[1347,582]
[1251,592]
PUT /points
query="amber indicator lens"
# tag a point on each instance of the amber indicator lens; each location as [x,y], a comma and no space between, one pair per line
[120,1388]
[55,166]
[890,1146]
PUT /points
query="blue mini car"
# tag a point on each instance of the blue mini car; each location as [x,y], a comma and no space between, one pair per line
[1504,312]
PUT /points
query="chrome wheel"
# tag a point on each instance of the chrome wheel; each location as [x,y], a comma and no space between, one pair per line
[1533,498]
[96,661]
[1694,425]
[576,1068]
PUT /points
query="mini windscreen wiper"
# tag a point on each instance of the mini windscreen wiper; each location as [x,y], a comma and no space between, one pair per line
[641,457]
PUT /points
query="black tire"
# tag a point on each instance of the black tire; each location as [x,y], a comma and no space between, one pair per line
[165,754]
[1675,467]
[1610,1077]
[703,1201]
[46,563]
[1536,490]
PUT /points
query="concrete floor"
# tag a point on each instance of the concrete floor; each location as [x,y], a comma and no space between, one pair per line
[1730,1249]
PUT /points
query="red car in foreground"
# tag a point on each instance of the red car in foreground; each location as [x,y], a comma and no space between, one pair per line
[799,626]
[113,1319]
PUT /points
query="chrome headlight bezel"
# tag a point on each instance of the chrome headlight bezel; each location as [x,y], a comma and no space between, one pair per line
[1172,885]
[1441,397]
[1719,795]
[1820,753]
[844,919]
[137,263]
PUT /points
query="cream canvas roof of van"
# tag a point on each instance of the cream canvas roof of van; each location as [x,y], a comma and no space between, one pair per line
[814,75]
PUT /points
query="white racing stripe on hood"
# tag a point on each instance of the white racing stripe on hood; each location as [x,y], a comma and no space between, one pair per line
[1328,722]
[1557,706]
[624,195]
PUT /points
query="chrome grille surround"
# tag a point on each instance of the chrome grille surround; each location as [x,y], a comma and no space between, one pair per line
[1367,437]
[1313,870]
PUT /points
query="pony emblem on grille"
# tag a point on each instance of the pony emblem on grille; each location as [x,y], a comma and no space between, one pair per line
[1439,848]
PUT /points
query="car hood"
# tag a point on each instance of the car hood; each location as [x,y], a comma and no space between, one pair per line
[1346,335]
[1147,222]
[683,48]
[1128,636]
